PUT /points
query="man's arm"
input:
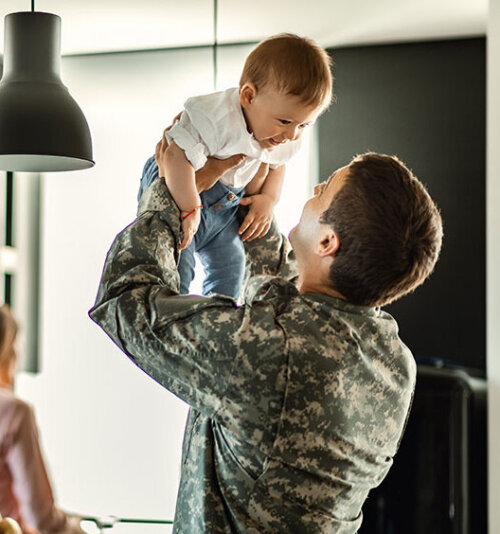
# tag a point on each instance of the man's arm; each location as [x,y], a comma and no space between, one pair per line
[271,255]
[225,361]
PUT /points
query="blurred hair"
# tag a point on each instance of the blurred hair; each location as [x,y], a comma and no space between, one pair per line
[8,332]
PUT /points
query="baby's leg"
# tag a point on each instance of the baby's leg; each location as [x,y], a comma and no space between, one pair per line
[223,260]
[149,175]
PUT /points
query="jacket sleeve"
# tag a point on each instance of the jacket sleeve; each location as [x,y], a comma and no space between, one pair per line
[271,255]
[226,361]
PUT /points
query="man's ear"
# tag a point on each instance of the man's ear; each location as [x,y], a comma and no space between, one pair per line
[247,94]
[328,244]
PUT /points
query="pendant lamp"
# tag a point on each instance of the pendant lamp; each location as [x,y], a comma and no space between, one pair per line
[42,128]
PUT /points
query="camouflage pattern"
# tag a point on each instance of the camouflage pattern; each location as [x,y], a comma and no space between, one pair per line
[298,401]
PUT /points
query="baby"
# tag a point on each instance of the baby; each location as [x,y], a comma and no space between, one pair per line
[285,85]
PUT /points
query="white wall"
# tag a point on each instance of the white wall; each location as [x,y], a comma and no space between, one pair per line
[493,262]
[112,436]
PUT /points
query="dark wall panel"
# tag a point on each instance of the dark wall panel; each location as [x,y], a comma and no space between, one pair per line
[425,102]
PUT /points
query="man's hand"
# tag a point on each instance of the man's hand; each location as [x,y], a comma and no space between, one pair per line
[214,169]
[258,220]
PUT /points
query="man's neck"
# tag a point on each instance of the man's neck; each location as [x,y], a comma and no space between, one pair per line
[317,287]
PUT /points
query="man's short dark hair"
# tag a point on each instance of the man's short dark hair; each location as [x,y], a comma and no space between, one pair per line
[389,228]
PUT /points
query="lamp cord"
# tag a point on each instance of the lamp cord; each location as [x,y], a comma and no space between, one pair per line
[214,48]
[32,6]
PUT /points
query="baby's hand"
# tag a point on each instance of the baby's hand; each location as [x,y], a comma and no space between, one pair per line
[259,216]
[189,225]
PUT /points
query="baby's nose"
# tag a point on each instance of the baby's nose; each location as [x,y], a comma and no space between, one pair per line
[291,133]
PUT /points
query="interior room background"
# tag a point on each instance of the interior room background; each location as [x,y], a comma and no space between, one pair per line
[426,103]
[108,426]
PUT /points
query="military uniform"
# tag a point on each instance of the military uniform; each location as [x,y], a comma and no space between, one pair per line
[298,401]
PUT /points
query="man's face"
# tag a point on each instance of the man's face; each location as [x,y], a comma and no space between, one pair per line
[274,118]
[303,237]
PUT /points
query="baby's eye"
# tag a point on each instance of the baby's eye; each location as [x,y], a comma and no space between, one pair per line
[284,121]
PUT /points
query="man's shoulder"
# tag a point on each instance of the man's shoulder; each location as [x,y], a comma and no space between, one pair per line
[264,288]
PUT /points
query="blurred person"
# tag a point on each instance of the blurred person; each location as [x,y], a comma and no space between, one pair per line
[25,490]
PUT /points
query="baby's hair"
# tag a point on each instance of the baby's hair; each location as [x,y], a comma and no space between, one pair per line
[291,65]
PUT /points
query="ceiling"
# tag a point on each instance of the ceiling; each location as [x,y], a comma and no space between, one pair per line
[90,26]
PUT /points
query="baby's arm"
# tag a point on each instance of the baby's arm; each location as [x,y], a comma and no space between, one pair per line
[260,213]
[255,185]
[180,178]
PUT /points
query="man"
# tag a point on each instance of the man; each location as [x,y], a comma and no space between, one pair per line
[298,397]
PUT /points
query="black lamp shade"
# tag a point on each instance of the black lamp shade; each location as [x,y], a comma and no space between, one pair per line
[42,128]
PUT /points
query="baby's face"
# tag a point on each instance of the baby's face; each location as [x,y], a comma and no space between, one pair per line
[274,118]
